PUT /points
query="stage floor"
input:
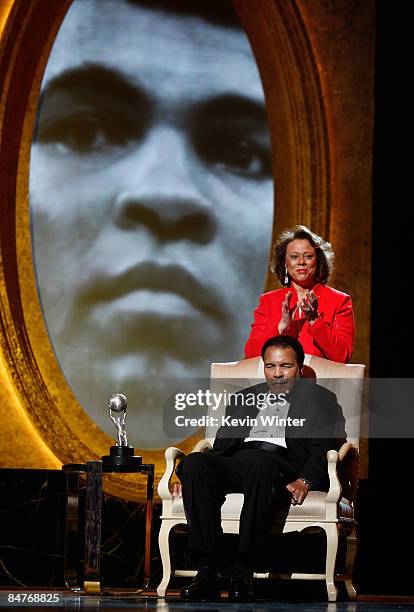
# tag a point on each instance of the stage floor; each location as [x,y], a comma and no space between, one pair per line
[35,600]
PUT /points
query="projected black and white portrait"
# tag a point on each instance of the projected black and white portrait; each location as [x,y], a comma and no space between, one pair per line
[151,198]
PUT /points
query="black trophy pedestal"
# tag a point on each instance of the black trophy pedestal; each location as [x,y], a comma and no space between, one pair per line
[121,459]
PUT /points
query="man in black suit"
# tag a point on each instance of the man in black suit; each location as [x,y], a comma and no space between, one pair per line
[267,449]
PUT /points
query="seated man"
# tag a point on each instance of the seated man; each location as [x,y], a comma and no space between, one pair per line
[266,459]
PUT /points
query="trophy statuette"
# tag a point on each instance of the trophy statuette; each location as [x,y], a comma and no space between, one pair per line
[121,455]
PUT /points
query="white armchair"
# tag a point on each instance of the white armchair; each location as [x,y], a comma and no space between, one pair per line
[332,512]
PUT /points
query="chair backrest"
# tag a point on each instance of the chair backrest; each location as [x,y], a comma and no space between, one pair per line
[344,379]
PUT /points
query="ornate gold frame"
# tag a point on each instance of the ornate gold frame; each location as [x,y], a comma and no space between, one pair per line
[43,424]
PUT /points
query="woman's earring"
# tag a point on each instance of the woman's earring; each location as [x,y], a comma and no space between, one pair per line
[286,276]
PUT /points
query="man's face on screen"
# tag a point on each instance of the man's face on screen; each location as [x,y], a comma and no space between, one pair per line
[152,199]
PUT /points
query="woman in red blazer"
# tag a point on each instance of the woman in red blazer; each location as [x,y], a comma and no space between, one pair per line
[306,308]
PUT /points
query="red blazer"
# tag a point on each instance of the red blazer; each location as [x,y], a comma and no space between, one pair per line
[331,336]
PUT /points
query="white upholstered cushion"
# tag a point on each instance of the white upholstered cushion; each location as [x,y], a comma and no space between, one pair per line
[313,508]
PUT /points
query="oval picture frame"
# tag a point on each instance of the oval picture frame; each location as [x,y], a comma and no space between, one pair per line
[54,422]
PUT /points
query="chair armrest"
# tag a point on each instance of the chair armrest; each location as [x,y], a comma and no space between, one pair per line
[334,492]
[202,446]
[347,456]
[346,449]
[171,455]
[348,470]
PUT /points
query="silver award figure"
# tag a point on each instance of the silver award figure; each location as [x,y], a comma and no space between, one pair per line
[121,457]
[118,404]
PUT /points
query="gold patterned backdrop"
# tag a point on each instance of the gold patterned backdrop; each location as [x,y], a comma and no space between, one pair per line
[321,117]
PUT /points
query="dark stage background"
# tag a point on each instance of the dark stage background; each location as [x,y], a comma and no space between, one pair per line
[384,497]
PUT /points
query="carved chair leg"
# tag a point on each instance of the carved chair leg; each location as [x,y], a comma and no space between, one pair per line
[331,530]
[163,541]
[351,550]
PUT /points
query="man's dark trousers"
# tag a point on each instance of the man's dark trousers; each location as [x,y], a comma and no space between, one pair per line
[261,475]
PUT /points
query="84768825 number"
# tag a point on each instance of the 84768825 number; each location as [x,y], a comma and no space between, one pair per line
[34,599]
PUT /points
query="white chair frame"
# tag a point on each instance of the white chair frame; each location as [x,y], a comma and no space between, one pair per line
[326,511]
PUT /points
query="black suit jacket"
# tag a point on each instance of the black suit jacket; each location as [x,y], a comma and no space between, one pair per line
[323,429]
